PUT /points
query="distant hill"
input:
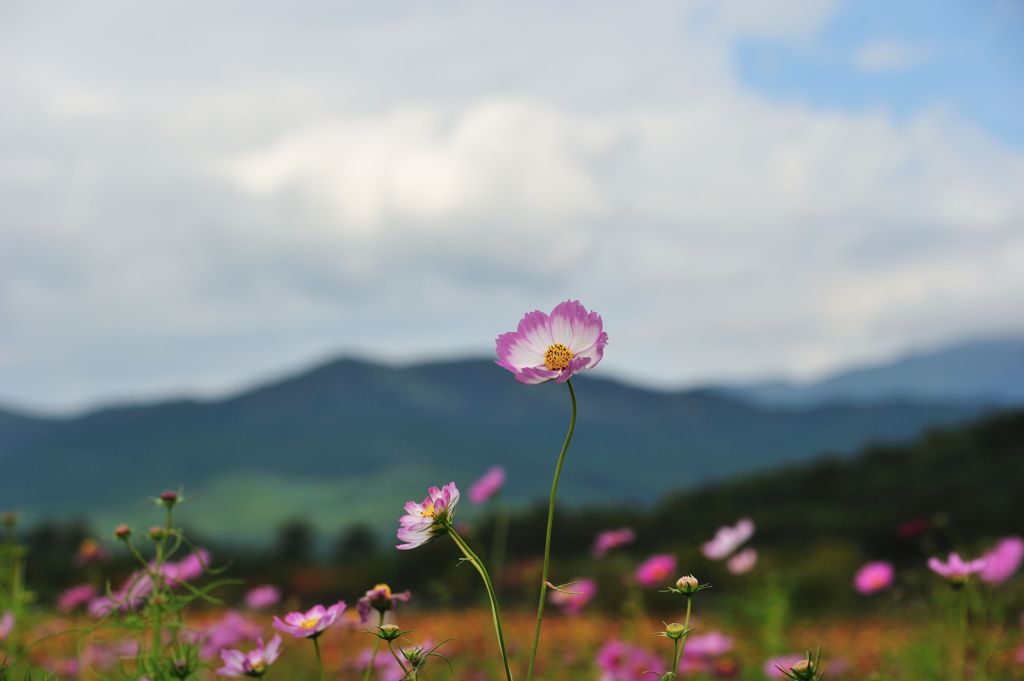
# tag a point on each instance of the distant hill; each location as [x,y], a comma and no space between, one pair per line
[349,441]
[989,371]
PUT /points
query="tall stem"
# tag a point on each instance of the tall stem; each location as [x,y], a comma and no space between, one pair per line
[373,655]
[547,536]
[686,628]
[963,632]
[492,597]
[319,661]
[675,659]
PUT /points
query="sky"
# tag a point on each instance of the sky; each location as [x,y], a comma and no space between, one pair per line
[198,195]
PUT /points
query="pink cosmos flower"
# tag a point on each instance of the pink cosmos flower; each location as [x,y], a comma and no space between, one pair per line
[956,569]
[253,663]
[555,346]
[1002,562]
[620,661]
[728,539]
[381,599]
[6,624]
[263,596]
[656,570]
[187,569]
[488,486]
[874,577]
[385,666]
[575,596]
[75,597]
[129,597]
[311,623]
[612,539]
[742,562]
[230,630]
[424,521]
[711,644]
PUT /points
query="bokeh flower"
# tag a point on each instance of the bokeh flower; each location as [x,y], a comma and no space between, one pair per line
[424,521]
[90,551]
[1002,561]
[727,539]
[253,663]
[311,623]
[956,569]
[874,577]
[555,346]
[612,539]
[619,661]
[6,624]
[742,562]
[230,630]
[574,596]
[488,486]
[380,598]
[75,596]
[656,570]
[263,596]
[775,667]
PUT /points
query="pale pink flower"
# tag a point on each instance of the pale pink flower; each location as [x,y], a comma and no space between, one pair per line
[656,570]
[728,539]
[230,630]
[874,577]
[311,623]
[612,539]
[263,596]
[1002,561]
[488,486]
[555,346]
[742,562]
[424,521]
[253,663]
[955,569]
[380,598]
[574,596]
[6,624]
[620,661]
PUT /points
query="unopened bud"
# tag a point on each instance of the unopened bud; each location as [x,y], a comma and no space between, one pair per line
[156,533]
[803,670]
[169,498]
[675,631]
[122,532]
[388,632]
[688,584]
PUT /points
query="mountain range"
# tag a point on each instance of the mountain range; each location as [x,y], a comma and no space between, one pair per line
[349,441]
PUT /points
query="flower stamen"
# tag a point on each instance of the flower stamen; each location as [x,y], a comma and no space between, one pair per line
[557,357]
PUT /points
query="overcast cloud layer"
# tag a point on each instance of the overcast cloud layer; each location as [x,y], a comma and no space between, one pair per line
[194,195]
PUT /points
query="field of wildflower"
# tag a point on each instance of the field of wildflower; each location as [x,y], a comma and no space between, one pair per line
[153,605]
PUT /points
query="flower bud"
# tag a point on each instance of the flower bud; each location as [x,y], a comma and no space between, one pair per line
[169,498]
[10,519]
[122,532]
[804,670]
[675,631]
[688,584]
[157,533]
[388,632]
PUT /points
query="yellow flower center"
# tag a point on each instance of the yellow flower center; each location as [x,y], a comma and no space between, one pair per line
[258,665]
[428,510]
[310,623]
[385,589]
[557,357]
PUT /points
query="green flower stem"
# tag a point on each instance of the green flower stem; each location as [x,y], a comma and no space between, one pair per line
[547,536]
[963,632]
[686,629]
[491,595]
[373,655]
[319,661]
[675,658]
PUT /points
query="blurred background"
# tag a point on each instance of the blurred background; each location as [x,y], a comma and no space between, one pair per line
[260,251]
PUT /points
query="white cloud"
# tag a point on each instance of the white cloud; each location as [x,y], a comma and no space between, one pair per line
[890,55]
[409,184]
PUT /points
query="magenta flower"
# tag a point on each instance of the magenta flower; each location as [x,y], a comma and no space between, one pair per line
[424,521]
[309,624]
[384,666]
[728,539]
[742,562]
[1002,561]
[555,346]
[620,661]
[612,539]
[574,596]
[263,596]
[381,599]
[956,570]
[253,663]
[656,570]
[711,644]
[874,577]
[6,624]
[76,596]
[187,569]
[230,630]
[488,486]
